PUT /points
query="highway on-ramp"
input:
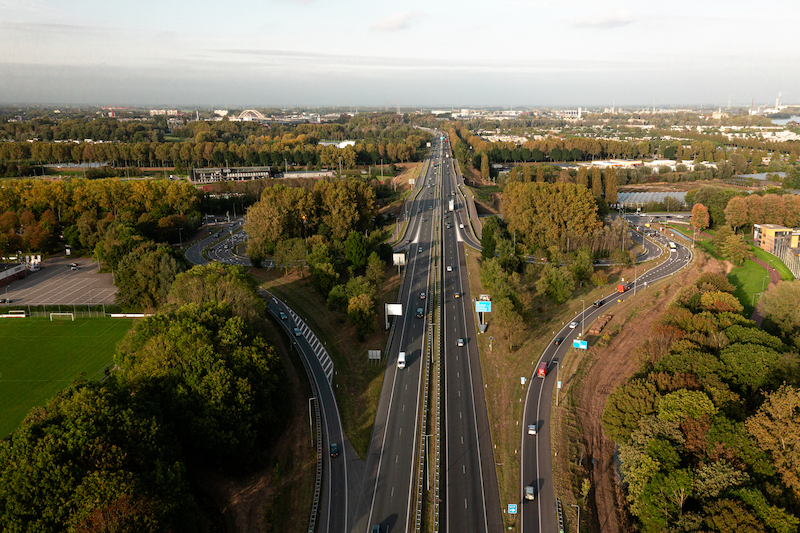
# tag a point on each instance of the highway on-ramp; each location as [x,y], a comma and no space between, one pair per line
[536,468]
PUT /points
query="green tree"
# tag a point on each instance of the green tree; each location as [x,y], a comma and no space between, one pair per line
[629,403]
[217,282]
[291,254]
[376,270]
[355,250]
[361,315]
[781,304]
[736,250]
[582,267]
[677,405]
[144,277]
[484,167]
[488,240]
[557,283]
[324,277]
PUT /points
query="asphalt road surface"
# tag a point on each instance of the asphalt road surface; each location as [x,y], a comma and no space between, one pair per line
[472,501]
[536,464]
[333,508]
[391,465]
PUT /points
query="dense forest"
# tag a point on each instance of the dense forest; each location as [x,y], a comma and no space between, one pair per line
[708,427]
[196,387]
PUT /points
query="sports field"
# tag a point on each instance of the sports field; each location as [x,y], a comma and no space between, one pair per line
[39,357]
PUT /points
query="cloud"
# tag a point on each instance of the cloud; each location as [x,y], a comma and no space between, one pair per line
[398,21]
[605,21]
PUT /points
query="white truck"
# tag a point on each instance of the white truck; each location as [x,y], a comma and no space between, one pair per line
[452,205]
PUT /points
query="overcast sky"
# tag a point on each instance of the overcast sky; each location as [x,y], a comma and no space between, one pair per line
[445,53]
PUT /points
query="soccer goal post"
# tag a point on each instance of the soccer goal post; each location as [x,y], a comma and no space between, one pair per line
[62,316]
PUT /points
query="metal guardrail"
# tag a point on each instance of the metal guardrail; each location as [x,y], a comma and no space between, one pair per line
[312,522]
[560,513]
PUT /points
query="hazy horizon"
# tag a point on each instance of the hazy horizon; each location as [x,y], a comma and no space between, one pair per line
[316,53]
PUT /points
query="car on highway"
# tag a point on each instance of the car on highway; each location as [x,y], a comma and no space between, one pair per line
[449,268]
[558,341]
[334,450]
[422,296]
[419,312]
[529,493]
[282,315]
[430,208]
[74,267]
[5,300]
[532,429]
[598,303]
[419,249]
[457,295]
[460,342]
[574,324]
[461,226]
[297,332]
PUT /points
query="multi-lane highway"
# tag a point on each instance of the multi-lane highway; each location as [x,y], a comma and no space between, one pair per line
[536,466]
[471,495]
[393,445]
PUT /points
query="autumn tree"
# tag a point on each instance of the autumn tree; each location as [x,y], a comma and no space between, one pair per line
[610,181]
[597,184]
[557,283]
[776,426]
[543,212]
[699,219]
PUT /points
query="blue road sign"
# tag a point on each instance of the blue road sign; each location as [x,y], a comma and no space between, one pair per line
[483,307]
[583,345]
[512,508]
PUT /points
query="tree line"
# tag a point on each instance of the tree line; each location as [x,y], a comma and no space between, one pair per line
[126,225]
[708,427]
[196,387]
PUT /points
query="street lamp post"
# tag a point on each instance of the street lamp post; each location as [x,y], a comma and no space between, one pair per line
[180,236]
[634,278]
[579,516]
[558,382]
[763,281]
[310,423]
[583,312]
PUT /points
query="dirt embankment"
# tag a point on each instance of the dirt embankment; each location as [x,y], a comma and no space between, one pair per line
[615,363]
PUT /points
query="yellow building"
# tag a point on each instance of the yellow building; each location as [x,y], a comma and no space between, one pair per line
[768,237]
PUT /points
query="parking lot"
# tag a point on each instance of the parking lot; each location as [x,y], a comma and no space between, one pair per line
[58,284]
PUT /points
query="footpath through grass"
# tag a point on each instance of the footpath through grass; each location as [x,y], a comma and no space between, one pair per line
[39,357]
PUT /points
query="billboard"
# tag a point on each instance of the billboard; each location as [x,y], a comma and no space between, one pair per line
[394,309]
[399,259]
[483,307]
[583,345]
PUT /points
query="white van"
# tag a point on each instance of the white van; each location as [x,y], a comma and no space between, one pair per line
[401,360]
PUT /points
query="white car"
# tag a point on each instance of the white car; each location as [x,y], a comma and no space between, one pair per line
[449,268]
[461,226]
[422,296]
[461,342]
[532,429]
[573,325]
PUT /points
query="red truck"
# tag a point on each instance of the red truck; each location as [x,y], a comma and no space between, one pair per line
[622,287]
[541,371]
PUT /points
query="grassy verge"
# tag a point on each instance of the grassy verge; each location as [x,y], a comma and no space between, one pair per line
[293,460]
[357,384]
[748,280]
[39,357]
[768,258]
[515,350]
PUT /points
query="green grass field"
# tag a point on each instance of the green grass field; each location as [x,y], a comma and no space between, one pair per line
[782,269]
[749,280]
[39,357]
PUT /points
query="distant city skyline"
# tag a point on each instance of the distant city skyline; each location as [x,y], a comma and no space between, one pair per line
[285,53]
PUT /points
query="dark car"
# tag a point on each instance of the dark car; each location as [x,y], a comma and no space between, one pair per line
[334,450]
[558,341]
[5,300]
[598,303]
